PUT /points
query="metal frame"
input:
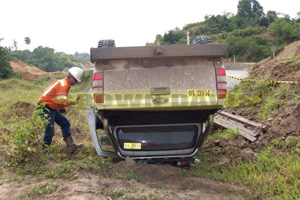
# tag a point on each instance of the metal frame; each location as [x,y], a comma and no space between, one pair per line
[205,50]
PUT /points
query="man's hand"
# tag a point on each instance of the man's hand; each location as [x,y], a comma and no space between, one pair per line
[64,111]
[74,102]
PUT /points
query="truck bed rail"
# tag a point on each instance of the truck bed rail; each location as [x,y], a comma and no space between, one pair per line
[205,50]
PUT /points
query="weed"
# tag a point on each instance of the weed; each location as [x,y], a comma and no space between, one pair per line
[42,80]
[39,191]
[277,143]
[269,107]
[291,143]
[271,176]
[240,99]
[262,89]
[224,134]
[26,141]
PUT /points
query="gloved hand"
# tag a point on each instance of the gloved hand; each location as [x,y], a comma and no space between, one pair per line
[74,102]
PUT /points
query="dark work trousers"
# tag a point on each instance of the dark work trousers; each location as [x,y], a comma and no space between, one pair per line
[57,117]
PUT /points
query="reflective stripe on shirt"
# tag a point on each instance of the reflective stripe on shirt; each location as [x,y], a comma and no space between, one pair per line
[50,89]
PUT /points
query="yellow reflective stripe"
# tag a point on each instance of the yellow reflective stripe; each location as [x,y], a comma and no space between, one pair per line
[50,89]
[61,97]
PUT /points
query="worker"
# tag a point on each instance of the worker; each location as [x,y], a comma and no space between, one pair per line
[53,102]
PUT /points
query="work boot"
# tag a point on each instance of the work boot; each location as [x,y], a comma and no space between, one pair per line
[71,147]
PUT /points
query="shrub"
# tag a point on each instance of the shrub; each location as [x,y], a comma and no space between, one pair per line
[26,141]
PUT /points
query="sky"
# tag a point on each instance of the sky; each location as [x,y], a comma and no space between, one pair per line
[76,26]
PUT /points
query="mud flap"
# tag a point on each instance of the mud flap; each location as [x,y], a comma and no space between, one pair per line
[91,116]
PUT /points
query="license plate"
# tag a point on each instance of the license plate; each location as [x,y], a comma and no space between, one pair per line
[132,146]
[199,93]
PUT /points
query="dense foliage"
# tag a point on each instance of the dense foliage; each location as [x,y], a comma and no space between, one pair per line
[5,68]
[249,34]
[48,60]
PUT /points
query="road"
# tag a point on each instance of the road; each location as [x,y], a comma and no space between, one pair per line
[236,73]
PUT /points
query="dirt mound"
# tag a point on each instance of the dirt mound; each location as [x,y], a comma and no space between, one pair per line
[86,185]
[284,125]
[30,73]
[282,70]
[290,50]
[22,110]
[172,177]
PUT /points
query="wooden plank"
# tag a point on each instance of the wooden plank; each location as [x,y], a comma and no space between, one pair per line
[225,124]
[242,131]
[240,119]
[238,125]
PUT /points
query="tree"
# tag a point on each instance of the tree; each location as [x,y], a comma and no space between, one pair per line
[244,8]
[257,9]
[27,41]
[15,44]
[287,31]
[5,67]
[251,11]
[1,39]
[250,8]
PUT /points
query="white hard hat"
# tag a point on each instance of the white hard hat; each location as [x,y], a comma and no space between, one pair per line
[76,72]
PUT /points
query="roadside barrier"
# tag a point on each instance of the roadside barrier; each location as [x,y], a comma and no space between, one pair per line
[269,81]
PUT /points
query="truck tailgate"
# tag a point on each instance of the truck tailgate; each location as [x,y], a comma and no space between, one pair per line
[181,83]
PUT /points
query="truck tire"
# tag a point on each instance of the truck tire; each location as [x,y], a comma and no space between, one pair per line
[202,39]
[106,43]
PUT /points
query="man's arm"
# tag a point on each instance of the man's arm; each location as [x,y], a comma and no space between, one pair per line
[62,100]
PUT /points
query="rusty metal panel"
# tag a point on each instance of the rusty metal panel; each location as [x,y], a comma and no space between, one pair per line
[175,78]
[205,50]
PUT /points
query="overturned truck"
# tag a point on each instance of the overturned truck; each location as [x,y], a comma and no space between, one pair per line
[155,103]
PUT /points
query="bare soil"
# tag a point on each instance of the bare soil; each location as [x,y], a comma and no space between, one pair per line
[31,73]
[150,181]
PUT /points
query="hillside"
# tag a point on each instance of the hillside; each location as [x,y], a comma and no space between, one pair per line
[291,50]
[280,106]
[249,34]
[31,73]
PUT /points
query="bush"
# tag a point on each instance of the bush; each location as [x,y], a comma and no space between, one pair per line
[26,142]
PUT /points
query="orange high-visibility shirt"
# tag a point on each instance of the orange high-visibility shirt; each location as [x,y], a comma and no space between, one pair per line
[55,96]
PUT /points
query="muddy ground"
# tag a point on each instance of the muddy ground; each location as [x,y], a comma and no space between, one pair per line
[150,181]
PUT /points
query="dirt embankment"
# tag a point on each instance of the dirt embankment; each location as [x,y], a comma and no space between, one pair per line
[291,50]
[283,127]
[31,73]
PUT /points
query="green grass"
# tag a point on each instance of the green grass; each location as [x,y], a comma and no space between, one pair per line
[273,176]
[270,176]
[224,134]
